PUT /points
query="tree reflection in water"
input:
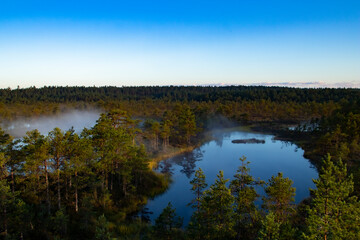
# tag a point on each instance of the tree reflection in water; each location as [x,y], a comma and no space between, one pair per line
[186,160]
[219,136]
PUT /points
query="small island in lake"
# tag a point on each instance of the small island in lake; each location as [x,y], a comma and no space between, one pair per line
[249,140]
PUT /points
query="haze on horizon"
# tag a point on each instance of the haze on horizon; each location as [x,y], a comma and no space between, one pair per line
[132,43]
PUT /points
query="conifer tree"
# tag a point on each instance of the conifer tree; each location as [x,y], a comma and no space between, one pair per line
[280,197]
[165,132]
[36,166]
[270,229]
[168,224]
[334,213]
[197,218]
[186,124]
[80,161]
[198,186]
[60,221]
[15,161]
[102,229]
[243,188]
[57,150]
[217,210]
[5,202]
[5,197]
[153,131]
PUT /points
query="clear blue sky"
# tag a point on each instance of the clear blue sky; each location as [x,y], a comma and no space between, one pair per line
[303,43]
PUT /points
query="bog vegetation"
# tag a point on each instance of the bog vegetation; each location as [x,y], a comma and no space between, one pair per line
[92,184]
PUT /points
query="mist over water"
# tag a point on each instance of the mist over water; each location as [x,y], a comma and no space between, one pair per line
[78,119]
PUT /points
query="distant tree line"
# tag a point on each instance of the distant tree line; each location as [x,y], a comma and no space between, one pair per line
[176,93]
[242,104]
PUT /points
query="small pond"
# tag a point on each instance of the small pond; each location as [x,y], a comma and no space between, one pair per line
[266,159]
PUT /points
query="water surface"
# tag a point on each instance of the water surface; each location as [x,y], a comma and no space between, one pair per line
[221,154]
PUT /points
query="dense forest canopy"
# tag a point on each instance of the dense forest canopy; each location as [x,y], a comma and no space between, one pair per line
[239,103]
[177,93]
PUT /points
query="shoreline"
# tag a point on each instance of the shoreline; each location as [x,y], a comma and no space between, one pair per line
[168,153]
[203,138]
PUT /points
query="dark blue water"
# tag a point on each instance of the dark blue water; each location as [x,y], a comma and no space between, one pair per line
[221,154]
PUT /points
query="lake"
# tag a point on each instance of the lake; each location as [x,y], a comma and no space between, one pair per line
[221,154]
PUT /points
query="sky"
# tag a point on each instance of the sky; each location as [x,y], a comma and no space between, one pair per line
[142,43]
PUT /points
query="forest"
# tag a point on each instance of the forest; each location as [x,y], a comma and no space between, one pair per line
[93,184]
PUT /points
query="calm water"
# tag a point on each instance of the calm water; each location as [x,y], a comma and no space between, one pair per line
[221,154]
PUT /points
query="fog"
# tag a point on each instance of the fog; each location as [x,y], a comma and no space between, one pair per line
[78,119]
[220,122]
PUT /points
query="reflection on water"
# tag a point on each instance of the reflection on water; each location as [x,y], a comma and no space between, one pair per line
[186,161]
[219,136]
[221,154]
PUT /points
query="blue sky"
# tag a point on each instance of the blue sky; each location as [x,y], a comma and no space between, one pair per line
[290,43]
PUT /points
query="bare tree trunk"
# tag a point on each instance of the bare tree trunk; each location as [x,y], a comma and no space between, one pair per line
[107,181]
[58,184]
[66,189]
[47,188]
[76,194]
[13,181]
[326,214]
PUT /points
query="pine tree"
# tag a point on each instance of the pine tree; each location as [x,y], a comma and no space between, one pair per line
[5,197]
[280,197]
[168,224]
[216,209]
[5,201]
[334,213]
[270,229]
[78,167]
[197,218]
[12,218]
[153,130]
[186,123]
[198,186]
[165,132]
[102,229]
[37,166]
[14,161]
[57,150]
[60,222]
[243,188]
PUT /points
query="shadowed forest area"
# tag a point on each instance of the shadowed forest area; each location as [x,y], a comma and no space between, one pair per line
[92,184]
